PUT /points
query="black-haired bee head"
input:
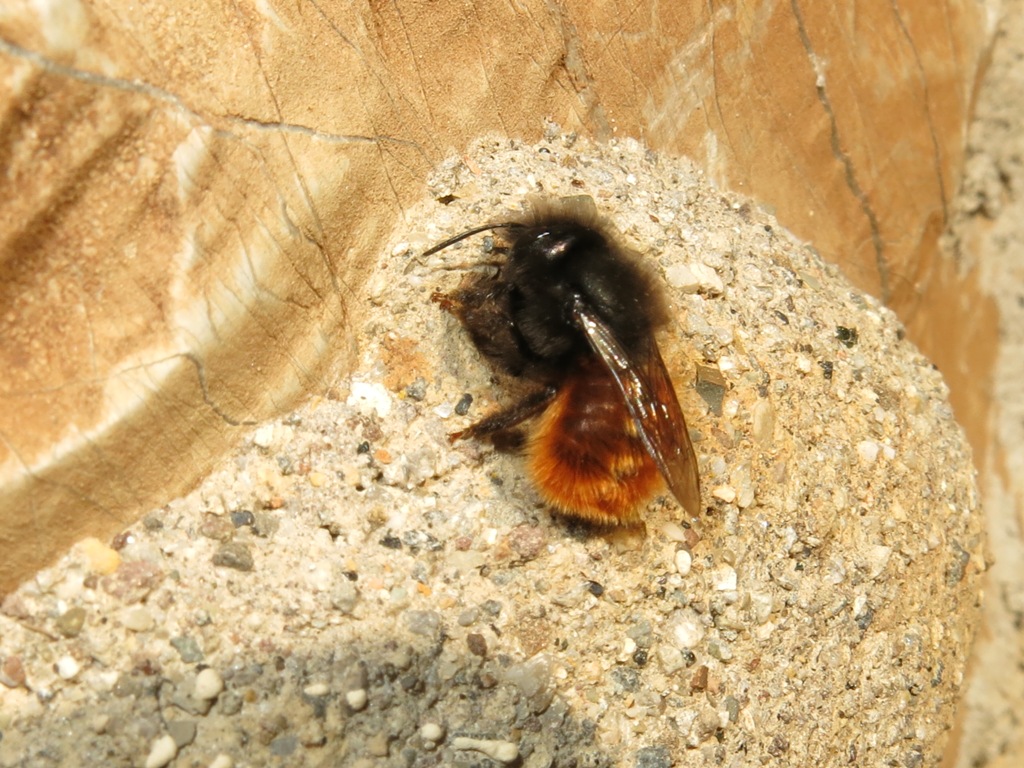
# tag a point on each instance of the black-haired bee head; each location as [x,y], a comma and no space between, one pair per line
[550,265]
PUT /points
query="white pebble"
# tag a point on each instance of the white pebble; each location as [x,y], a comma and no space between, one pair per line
[68,667]
[680,277]
[138,619]
[674,531]
[671,658]
[688,632]
[356,699]
[209,684]
[745,497]
[369,398]
[877,557]
[264,436]
[431,732]
[709,280]
[761,604]
[222,761]
[376,288]
[684,561]
[315,690]
[723,578]
[502,751]
[725,492]
[162,752]
[868,450]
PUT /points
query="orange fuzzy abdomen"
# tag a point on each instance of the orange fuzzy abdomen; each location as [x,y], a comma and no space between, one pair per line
[585,456]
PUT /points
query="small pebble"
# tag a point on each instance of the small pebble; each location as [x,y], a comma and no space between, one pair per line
[462,407]
[683,562]
[688,632]
[725,492]
[316,690]
[720,650]
[877,558]
[491,607]
[723,578]
[674,531]
[209,684]
[477,644]
[12,672]
[417,390]
[671,658]
[152,523]
[242,517]
[264,436]
[344,596]
[132,581]
[707,279]
[426,623]
[761,605]
[527,541]
[138,619]
[70,622]
[99,558]
[356,699]
[653,757]
[222,761]
[502,751]
[377,744]
[162,752]
[284,745]
[868,451]
[369,399]
[187,648]
[182,731]
[679,276]
[763,417]
[68,667]
[216,528]
[235,555]
[431,732]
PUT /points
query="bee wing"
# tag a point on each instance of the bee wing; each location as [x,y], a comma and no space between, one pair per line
[651,401]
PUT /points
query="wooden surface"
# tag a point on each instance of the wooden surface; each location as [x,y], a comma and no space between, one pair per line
[193,196]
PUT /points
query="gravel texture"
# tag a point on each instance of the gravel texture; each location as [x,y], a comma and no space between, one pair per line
[352,589]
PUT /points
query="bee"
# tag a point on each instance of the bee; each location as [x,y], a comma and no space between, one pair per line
[573,312]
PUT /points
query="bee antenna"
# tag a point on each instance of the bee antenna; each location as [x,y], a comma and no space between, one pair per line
[473,231]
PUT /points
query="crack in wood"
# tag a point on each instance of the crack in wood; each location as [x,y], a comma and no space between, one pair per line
[837,150]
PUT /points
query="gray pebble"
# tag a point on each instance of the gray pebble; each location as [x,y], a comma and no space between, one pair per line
[234,554]
[426,623]
[285,745]
[187,648]
[70,622]
[182,731]
[653,757]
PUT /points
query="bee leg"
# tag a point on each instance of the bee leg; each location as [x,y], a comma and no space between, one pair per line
[504,421]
